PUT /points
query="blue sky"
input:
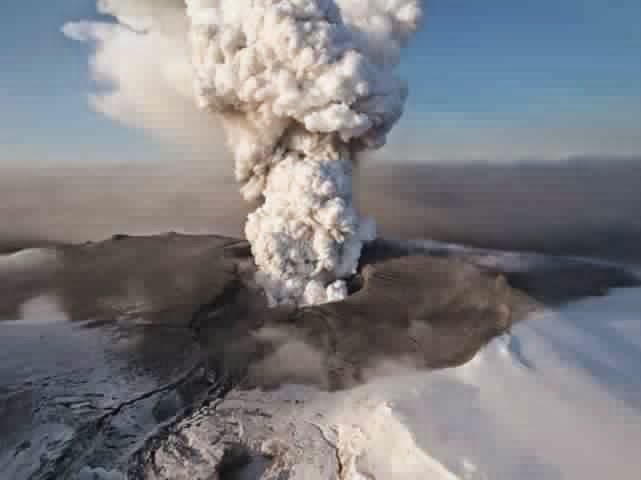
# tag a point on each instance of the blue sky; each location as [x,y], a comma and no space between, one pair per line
[495,77]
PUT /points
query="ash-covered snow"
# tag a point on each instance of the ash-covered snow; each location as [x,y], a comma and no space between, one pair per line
[558,398]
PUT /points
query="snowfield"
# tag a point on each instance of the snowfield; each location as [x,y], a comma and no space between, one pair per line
[558,398]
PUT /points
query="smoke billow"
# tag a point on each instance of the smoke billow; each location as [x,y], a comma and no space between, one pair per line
[301,86]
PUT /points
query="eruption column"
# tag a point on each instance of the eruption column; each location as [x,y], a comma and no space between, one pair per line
[301,87]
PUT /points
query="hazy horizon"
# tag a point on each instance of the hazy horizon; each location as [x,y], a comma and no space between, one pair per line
[585,206]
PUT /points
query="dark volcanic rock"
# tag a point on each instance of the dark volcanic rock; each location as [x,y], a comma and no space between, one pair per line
[550,280]
[159,279]
[155,328]
[422,312]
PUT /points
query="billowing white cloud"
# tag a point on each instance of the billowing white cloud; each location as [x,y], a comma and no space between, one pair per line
[302,86]
[167,16]
[143,74]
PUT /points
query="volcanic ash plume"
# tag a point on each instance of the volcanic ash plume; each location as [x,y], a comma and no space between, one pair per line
[302,86]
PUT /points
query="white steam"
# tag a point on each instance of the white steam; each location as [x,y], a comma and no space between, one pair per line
[141,65]
[301,86]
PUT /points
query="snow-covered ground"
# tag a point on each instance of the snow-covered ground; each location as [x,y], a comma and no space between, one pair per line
[559,398]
